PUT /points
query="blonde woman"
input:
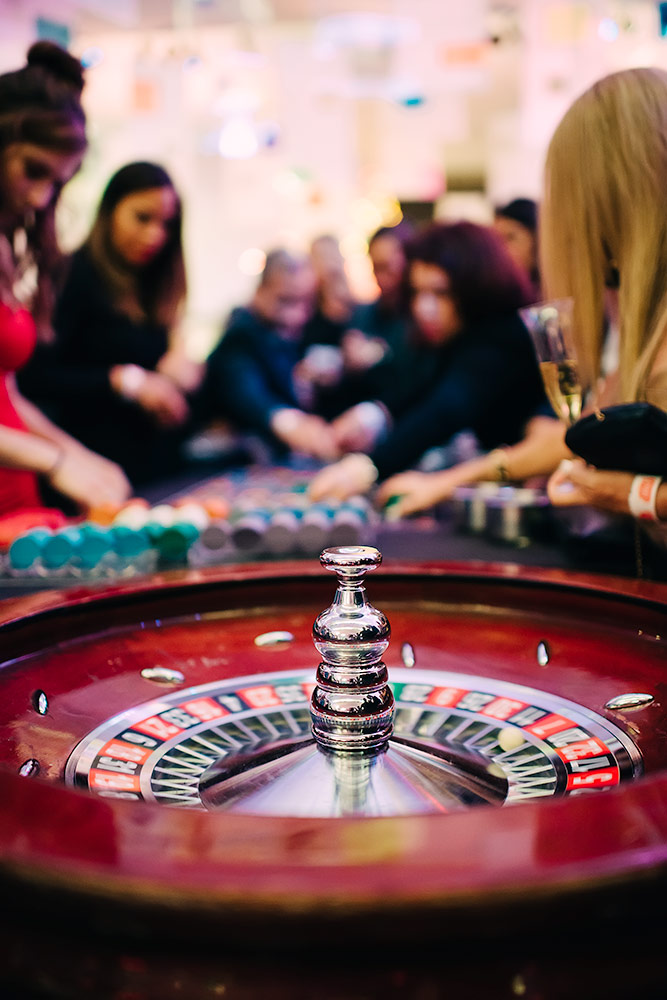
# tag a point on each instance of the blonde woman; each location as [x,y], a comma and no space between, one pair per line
[604,242]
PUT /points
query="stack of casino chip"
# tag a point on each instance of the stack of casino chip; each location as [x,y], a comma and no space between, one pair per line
[131,540]
[82,550]
[259,522]
[25,552]
[170,529]
[144,537]
[511,514]
[265,524]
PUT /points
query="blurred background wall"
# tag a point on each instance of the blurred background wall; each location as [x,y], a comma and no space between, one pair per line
[281,120]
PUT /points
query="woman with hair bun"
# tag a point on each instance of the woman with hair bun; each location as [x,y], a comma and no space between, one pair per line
[42,142]
[116,349]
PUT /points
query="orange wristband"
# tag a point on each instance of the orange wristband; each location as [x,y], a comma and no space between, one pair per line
[643,493]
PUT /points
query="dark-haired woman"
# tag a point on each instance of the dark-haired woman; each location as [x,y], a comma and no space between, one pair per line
[468,365]
[516,224]
[42,142]
[115,376]
[379,327]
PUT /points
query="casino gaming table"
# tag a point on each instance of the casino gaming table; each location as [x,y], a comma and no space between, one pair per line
[123,877]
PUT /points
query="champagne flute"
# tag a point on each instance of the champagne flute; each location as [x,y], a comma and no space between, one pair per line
[550,327]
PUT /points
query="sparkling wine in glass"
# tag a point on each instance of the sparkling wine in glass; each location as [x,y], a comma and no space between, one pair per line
[550,328]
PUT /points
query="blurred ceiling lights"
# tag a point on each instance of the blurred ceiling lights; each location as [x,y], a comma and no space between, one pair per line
[92,15]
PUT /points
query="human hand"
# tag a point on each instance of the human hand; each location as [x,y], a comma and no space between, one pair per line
[305,433]
[322,365]
[182,370]
[416,491]
[358,428]
[163,400]
[88,478]
[354,474]
[575,484]
[361,352]
[158,395]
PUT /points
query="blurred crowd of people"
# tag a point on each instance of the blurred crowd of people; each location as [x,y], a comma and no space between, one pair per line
[98,394]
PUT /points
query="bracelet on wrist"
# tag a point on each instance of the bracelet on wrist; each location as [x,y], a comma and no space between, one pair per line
[642,498]
[499,457]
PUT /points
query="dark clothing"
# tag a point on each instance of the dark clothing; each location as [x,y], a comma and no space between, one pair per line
[377,320]
[485,380]
[328,400]
[321,330]
[69,378]
[250,372]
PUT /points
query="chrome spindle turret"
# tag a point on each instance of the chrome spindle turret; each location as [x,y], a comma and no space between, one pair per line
[352,706]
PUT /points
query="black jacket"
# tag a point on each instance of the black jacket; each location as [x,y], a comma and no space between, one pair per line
[69,379]
[486,380]
[250,372]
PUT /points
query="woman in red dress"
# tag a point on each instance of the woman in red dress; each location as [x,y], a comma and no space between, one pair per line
[42,142]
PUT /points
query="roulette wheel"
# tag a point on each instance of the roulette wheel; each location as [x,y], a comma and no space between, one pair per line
[510,830]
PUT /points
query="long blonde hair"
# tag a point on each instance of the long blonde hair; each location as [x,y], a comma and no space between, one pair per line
[605,212]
